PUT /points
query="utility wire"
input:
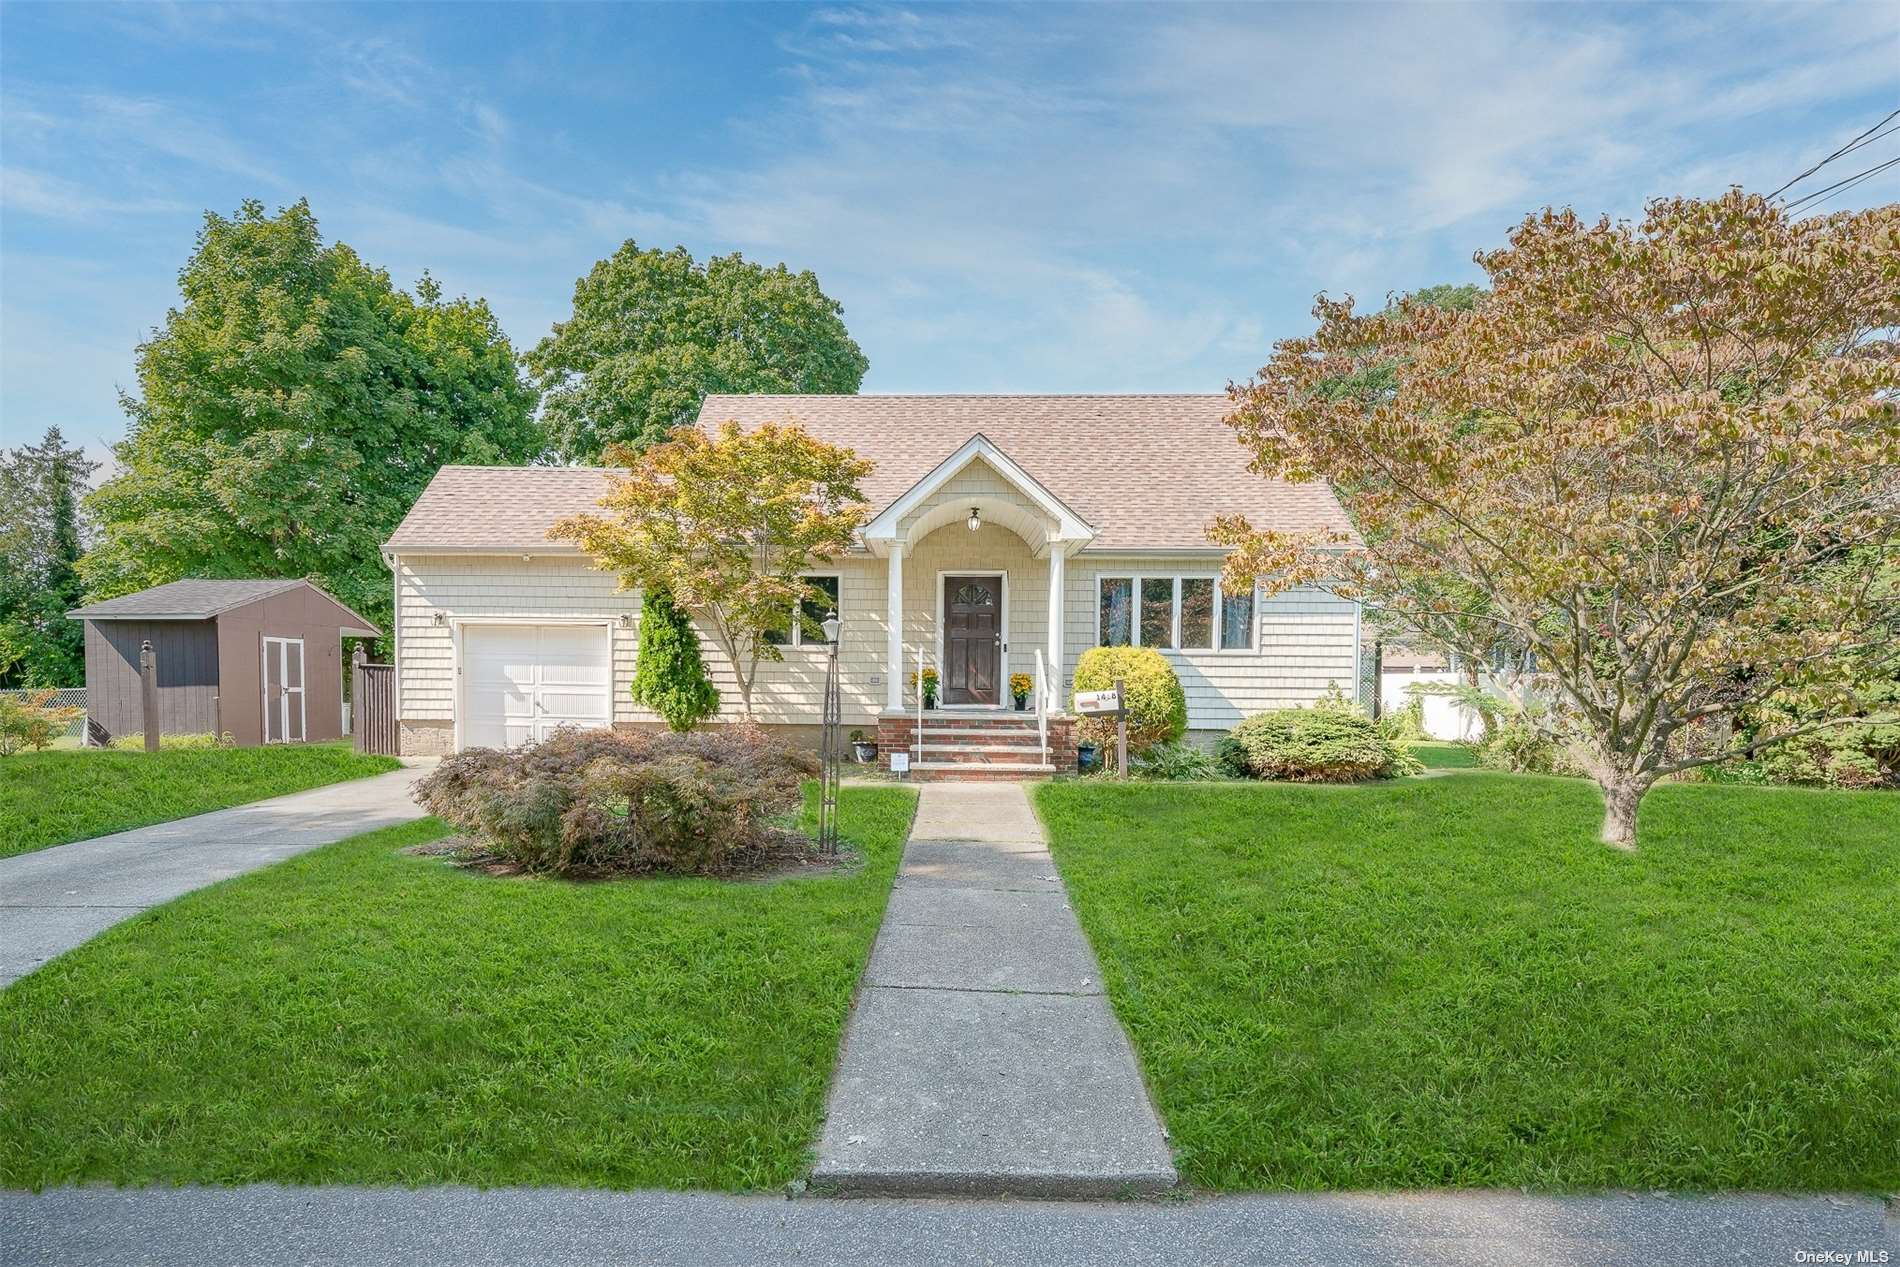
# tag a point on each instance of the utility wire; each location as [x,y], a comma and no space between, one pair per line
[1856,143]
[1840,186]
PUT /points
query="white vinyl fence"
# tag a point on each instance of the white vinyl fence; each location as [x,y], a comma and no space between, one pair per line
[1445,718]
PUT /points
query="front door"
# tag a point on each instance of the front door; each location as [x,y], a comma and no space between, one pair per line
[283,690]
[972,639]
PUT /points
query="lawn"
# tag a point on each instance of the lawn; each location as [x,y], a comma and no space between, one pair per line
[1436,754]
[1450,983]
[361,1015]
[49,798]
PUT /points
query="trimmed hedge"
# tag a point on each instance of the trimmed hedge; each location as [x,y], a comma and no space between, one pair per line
[1316,745]
[1157,706]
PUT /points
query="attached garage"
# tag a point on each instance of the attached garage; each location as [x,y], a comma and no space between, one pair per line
[521,682]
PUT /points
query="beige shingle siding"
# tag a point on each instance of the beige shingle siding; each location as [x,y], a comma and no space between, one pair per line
[560,587]
[1305,636]
[1306,642]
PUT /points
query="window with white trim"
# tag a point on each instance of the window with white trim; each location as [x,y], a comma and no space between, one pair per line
[1173,612]
[804,625]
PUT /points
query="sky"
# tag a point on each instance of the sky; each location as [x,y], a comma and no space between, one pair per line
[1049,198]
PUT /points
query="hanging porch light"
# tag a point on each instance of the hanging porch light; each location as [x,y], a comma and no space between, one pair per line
[975,520]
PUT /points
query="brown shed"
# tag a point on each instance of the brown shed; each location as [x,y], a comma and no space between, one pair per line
[260,661]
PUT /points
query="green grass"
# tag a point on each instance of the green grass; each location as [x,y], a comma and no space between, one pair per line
[1449,982]
[358,1015]
[1437,754]
[49,798]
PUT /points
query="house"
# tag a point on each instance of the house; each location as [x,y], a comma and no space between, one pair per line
[258,661]
[1009,535]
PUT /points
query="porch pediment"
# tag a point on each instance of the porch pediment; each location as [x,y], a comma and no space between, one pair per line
[979,475]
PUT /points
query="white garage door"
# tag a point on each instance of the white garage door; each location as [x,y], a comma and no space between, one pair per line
[520,682]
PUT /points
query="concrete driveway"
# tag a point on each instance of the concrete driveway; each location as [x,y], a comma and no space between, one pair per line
[54,899]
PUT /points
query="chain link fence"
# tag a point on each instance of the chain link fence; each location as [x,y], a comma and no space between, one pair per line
[66,697]
[1371,653]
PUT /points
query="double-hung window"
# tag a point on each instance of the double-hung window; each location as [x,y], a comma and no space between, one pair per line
[804,624]
[1184,613]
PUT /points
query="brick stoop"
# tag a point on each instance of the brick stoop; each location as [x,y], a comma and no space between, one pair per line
[978,746]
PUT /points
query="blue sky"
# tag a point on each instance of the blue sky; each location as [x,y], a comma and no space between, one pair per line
[1004,199]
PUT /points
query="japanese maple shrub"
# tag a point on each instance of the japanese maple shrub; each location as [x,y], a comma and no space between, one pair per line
[600,802]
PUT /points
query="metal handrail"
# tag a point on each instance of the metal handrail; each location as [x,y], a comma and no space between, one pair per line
[917,736]
[1042,704]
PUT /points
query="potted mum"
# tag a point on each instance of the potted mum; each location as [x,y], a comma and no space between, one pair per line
[1020,684]
[930,687]
[865,750]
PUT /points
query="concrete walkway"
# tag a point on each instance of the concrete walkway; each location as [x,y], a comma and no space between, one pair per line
[54,899]
[982,1057]
[513,1227]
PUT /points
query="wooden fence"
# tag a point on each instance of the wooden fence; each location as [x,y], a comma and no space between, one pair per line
[373,706]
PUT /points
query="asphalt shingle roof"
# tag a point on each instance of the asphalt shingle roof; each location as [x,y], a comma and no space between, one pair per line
[1147,472]
[184,599]
[201,600]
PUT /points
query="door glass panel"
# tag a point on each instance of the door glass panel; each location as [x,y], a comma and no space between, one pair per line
[1157,611]
[1117,611]
[293,664]
[1197,612]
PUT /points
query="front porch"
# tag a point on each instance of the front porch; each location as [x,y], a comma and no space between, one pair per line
[976,589]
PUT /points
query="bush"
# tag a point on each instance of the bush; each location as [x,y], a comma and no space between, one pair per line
[598,803]
[33,721]
[1407,724]
[1230,755]
[1176,761]
[1523,742]
[1322,744]
[670,675]
[1157,706]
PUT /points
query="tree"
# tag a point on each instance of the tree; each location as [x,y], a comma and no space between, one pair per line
[1665,457]
[40,544]
[670,676]
[653,333]
[290,411]
[727,524]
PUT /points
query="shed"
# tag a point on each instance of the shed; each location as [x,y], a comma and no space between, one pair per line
[260,661]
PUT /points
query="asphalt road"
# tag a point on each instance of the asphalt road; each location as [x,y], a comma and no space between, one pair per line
[515,1228]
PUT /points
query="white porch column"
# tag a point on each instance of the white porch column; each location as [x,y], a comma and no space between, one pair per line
[894,615]
[1057,554]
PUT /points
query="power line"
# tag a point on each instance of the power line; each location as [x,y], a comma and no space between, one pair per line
[1841,186]
[1854,144]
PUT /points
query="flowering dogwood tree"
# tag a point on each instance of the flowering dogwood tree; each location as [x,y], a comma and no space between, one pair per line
[727,524]
[1664,457]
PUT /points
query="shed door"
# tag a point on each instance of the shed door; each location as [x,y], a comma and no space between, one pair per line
[283,690]
[521,682]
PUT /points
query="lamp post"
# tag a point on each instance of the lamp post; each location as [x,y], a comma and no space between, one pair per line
[830,743]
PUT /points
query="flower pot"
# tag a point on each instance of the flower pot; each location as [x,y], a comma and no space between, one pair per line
[930,701]
[1022,703]
[1087,757]
[865,751]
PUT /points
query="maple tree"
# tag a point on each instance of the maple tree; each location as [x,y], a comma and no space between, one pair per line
[1664,457]
[727,523]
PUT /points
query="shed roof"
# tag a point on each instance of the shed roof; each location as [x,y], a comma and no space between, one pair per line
[202,600]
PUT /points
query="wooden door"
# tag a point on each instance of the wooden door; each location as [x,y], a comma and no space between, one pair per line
[972,639]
